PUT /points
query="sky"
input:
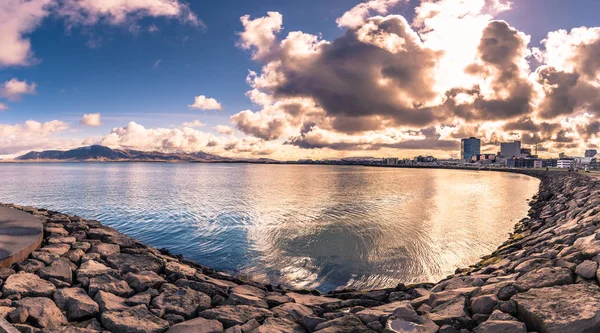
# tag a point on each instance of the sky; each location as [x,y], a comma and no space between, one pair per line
[299,79]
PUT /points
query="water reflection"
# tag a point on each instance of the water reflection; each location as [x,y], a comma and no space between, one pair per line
[308,226]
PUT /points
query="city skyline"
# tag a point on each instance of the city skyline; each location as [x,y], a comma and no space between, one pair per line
[266,79]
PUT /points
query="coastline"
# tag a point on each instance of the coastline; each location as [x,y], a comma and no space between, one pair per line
[94,278]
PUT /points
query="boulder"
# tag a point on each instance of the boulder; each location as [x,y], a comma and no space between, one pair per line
[105,250]
[111,285]
[109,302]
[587,269]
[43,313]
[29,265]
[45,257]
[311,300]
[134,320]
[197,325]
[292,311]
[484,304]
[92,268]
[206,287]
[144,280]
[173,267]
[28,285]
[544,277]
[59,269]
[181,301]
[448,312]
[230,315]
[496,326]
[58,249]
[134,263]
[568,308]
[76,303]
[348,323]
[274,325]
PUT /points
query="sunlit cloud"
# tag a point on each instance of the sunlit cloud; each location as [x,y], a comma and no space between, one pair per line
[205,103]
[14,89]
[91,120]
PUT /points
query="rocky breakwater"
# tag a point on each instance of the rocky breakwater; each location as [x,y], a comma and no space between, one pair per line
[90,278]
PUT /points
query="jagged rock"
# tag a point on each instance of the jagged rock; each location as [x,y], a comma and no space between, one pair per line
[311,300]
[274,300]
[587,269]
[45,257]
[235,315]
[247,295]
[76,303]
[29,265]
[499,315]
[292,311]
[43,313]
[56,231]
[560,309]
[6,310]
[402,309]
[28,285]
[111,285]
[74,255]
[173,318]
[276,325]
[92,268]
[173,267]
[204,287]
[19,315]
[99,233]
[105,250]
[5,272]
[134,263]
[84,246]
[197,325]
[544,277]
[59,249]
[447,313]
[144,280]
[142,298]
[348,323]
[59,269]
[134,320]
[181,301]
[61,240]
[484,304]
[404,326]
[109,302]
[496,326]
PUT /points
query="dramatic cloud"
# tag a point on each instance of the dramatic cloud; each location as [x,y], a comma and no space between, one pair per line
[225,130]
[204,103]
[91,120]
[356,16]
[194,123]
[260,34]
[14,89]
[18,18]
[30,135]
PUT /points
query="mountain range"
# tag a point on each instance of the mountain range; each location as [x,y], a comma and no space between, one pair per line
[102,153]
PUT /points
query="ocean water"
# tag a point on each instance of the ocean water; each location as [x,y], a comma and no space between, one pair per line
[305,226]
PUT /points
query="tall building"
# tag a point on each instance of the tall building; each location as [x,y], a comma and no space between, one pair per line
[469,147]
[591,153]
[510,149]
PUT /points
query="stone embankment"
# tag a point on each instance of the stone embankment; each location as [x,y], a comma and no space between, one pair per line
[87,277]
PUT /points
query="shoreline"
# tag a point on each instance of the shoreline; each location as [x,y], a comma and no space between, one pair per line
[93,278]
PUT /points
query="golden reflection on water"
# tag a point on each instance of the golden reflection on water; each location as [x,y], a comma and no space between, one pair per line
[306,226]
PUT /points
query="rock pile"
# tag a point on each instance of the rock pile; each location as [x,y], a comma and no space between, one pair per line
[90,278]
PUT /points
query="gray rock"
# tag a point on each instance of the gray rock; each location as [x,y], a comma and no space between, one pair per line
[76,303]
[292,311]
[29,265]
[182,301]
[109,302]
[92,268]
[544,277]
[105,250]
[142,298]
[484,304]
[560,309]
[587,269]
[59,269]
[235,315]
[274,299]
[197,325]
[448,312]
[496,326]
[134,263]
[43,313]
[111,285]
[144,280]
[134,320]
[28,285]
[173,267]
[45,257]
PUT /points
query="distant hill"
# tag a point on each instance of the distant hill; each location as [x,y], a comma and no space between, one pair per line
[102,153]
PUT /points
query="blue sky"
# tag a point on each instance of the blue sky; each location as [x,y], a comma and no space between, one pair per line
[152,77]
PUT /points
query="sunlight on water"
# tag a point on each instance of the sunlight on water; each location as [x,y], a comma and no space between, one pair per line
[306,226]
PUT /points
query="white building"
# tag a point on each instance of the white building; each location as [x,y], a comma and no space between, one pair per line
[390,161]
[564,164]
[538,164]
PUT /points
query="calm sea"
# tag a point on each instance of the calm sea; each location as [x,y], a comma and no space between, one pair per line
[305,226]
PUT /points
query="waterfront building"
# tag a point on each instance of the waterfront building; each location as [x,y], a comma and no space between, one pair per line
[469,148]
[549,163]
[390,161]
[564,163]
[510,149]
[520,163]
[591,153]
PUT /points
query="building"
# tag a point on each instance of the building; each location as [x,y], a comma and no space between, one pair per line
[549,163]
[591,153]
[510,149]
[389,161]
[538,164]
[520,163]
[526,152]
[469,148]
[564,163]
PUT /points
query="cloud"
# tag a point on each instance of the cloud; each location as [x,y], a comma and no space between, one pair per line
[356,16]
[156,64]
[19,18]
[204,103]
[194,123]
[14,89]
[3,107]
[225,130]
[31,134]
[91,120]
[260,34]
